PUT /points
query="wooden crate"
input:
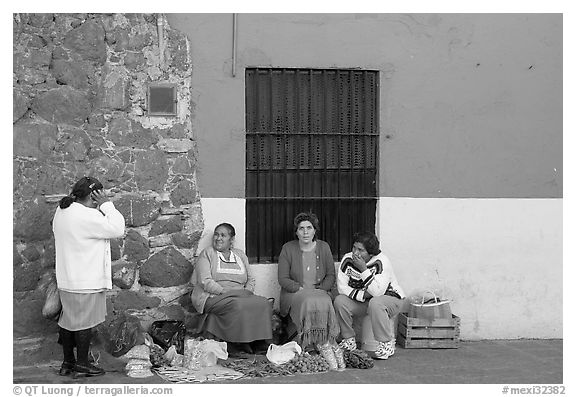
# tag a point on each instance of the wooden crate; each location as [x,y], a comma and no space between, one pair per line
[417,333]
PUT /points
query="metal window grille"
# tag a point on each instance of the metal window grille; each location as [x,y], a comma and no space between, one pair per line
[311,145]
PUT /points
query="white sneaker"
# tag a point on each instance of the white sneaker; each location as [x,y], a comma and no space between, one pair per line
[348,344]
[385,350]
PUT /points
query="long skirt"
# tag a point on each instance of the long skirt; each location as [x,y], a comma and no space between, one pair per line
[82,310]
[312,312]
[239,316]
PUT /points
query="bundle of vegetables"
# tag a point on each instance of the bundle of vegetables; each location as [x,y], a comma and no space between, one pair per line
[256,369]
[307,363]
[303,363]
[358,359]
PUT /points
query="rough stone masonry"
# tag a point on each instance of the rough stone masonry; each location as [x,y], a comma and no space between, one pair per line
[80,85]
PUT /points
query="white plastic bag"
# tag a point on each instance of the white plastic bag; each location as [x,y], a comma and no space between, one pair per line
[175,359]
[203,353]
[211,351]
[280,354]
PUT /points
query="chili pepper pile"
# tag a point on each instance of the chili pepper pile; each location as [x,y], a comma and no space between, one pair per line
[302,363]
[358,359]
[255,369]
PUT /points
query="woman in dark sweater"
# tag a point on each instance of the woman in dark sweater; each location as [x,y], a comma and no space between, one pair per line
[306,275]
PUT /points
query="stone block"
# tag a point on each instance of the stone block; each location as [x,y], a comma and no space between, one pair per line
[34,223]
[64,105]
[124,274]
[34,139]
[135,246]
[20,105]
[109,170]
[172,312]
[115,249]
[165,226]
[74,144]
[182,165]
[137,210]
[75,74]
[166,268]
[170,145]
[27,315]
[114,91]
[184,193]
[177,131]
[16,258]
[26,276]
[87,40]
[134,300]
[124,132]
[178,50]
[31,253]
[185,240]
[151,170]
[134,60]
[160,241]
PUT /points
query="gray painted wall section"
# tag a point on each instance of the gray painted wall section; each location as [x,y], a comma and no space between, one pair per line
[471,104]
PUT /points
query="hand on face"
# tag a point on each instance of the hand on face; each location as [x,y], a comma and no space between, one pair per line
[98,197]
[360,256]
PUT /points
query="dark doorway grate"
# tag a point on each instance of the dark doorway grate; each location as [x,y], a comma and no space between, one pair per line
[311,144]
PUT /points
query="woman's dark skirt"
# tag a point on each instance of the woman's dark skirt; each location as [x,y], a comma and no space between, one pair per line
[239,316]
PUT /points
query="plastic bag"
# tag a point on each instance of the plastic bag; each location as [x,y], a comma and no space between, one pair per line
[211,351]
[168,333]
[283,353]
[203,353]
[124,332]
[138,352]
[52,306]
[173,358]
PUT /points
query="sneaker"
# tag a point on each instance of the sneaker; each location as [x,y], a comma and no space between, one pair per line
[385,350]
[348,344]
[390,347]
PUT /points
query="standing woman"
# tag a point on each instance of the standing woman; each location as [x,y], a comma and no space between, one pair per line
[306,274]
[82,225]
[223,288]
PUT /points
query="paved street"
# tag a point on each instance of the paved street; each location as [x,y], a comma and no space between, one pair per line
[36,360]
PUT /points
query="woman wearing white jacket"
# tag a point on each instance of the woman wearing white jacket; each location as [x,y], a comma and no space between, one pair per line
[83,224]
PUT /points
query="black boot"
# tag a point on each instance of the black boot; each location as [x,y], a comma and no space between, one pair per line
[67,340]
[83,366]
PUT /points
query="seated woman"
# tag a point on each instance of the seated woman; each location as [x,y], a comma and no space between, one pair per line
[367,285]
[306,275]
[223,288]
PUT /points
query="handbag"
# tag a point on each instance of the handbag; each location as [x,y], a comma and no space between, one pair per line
[430,309]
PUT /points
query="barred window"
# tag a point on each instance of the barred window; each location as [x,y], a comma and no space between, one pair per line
[311,145]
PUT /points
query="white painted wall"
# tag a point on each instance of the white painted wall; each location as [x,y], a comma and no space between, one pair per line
[218,210]
[499,259]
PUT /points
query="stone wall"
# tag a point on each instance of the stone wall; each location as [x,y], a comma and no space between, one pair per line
[80,85]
